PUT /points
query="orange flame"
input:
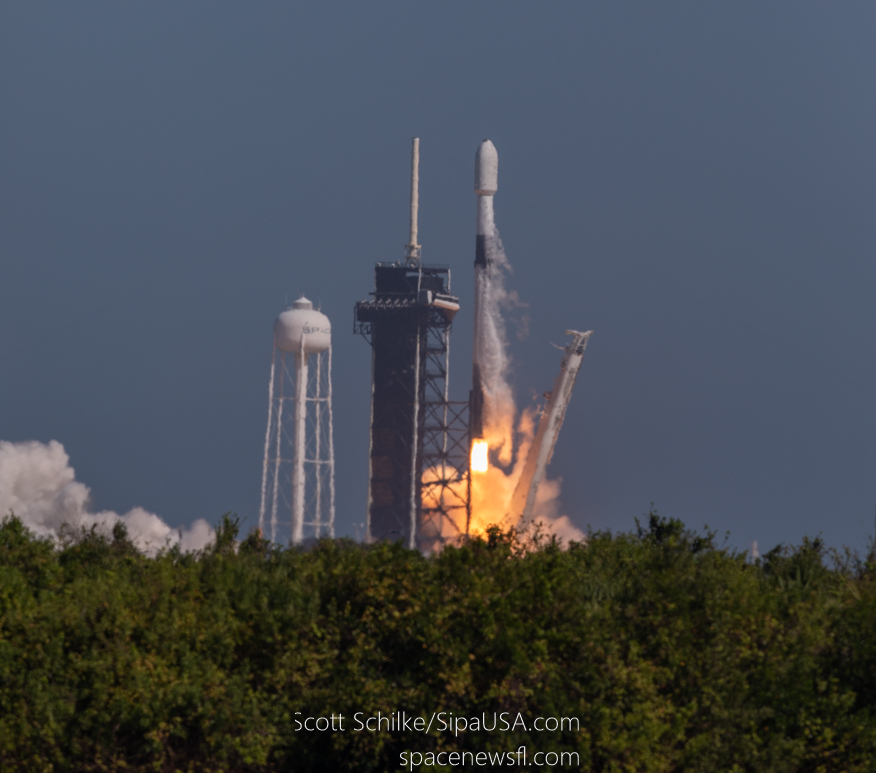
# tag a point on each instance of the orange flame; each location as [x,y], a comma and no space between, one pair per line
[492,487]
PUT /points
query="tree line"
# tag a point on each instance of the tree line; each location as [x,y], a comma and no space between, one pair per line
[672,652]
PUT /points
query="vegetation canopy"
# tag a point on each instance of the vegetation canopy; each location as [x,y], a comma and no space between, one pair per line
[676,654]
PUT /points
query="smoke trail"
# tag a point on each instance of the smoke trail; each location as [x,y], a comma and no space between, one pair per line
[492,490]
[494,360]
[38,484]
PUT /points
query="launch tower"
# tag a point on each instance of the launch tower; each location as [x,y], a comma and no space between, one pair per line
[419,487]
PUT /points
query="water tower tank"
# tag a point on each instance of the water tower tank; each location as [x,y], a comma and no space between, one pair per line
[302,320]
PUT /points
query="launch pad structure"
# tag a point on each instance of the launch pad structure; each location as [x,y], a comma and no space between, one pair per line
[419,487]
[424,447]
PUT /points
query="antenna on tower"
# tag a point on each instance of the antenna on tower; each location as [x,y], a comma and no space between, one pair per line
[412,249]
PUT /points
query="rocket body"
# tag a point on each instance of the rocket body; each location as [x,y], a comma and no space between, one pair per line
[486,184]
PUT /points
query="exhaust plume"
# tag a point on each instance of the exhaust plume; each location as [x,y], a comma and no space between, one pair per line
[492,345]
[39,486]
[508,435]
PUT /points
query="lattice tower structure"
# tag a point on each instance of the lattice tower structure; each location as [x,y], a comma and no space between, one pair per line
[419,486]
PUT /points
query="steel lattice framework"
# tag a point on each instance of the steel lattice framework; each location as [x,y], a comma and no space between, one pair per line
[419,479]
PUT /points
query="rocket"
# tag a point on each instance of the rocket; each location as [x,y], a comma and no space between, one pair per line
[486,184]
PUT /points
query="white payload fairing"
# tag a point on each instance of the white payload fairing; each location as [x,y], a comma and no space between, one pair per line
[486,185]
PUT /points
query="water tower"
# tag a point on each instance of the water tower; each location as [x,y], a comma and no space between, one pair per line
[298,474]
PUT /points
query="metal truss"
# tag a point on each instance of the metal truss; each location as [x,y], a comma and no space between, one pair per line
[420,417]
[445,478]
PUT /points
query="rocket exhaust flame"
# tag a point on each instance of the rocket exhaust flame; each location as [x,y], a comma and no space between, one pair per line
[479,460]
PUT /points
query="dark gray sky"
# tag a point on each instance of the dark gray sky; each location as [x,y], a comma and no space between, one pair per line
[696,182]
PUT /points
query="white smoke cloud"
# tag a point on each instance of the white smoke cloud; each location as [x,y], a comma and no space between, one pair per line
[38,484]
[547,514]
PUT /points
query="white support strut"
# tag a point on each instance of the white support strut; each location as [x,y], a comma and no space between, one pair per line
[299,447]
[267,444]
[539,456]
